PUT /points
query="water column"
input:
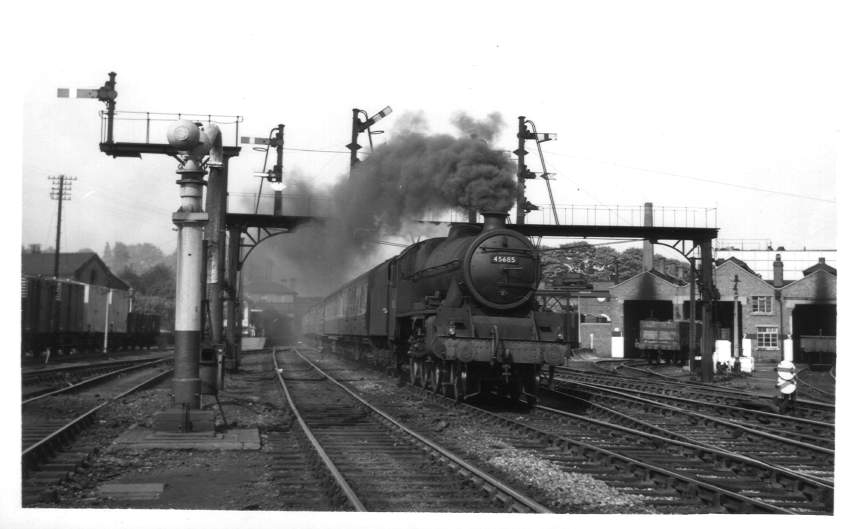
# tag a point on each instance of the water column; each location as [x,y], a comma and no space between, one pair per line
[192,144]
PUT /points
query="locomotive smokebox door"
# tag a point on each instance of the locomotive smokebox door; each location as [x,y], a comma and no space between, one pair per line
[208,371]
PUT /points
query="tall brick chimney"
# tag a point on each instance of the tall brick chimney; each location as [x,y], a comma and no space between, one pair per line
[778,265]
[647,246]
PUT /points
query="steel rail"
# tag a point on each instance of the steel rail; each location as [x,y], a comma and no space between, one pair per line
[708,390]
[82,365]
[29,455]
[698,385]
[736,455]
[651,471]
[340,480]
[504,490]
[95,380]
[798,421]
[733,424]
[808,480]
[731,391]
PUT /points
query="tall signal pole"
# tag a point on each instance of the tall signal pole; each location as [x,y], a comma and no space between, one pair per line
[521,171]
[60,191]
[277,183]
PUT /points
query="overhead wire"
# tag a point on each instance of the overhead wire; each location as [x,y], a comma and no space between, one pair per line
[696,178]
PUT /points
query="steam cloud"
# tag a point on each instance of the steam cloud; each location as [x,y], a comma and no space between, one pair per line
[411,174]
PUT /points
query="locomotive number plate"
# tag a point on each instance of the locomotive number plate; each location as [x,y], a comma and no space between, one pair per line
[504,259]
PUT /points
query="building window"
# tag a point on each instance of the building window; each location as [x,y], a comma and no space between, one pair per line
[762,305]
[767,337]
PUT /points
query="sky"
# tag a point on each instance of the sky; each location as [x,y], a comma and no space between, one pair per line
[727,106]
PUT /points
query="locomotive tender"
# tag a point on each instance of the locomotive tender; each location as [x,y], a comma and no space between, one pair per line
[458,313]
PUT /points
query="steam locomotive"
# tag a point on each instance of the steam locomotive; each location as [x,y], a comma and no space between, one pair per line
[458,314]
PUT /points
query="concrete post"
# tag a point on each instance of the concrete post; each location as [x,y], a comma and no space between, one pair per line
[692,330]
[707,306]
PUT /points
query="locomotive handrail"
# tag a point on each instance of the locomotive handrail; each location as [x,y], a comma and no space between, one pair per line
[523,251]
[454,263]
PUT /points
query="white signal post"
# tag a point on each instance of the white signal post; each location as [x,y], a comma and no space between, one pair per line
[106,321]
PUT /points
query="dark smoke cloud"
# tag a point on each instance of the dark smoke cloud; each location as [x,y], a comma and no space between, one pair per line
[487,129]
[403,179]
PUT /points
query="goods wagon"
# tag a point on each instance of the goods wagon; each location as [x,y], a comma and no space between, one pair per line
[68,315]
[666,341]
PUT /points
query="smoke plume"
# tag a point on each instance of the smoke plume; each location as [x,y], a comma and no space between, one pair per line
[486,129]
[412,174]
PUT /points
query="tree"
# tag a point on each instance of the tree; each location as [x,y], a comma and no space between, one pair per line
[120,257]
[599,263]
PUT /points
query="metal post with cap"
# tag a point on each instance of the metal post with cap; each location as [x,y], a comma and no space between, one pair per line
[192,144]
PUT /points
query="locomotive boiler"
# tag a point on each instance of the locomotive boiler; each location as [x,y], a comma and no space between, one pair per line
[457,314]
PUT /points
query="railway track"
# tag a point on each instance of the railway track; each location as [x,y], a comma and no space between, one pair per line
[729,398]
[55,381]
[293,470]
[740,412]
[377,464]
[809,460]
[674,476]
[52,424]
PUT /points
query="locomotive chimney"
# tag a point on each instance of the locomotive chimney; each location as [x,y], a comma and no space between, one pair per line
[493,220]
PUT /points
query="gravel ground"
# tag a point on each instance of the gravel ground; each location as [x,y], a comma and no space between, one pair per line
[560,491]
[200,479]
[243,480]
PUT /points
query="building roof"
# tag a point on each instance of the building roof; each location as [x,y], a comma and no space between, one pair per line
[666,277]
[738,262]
[821,265]
[41,264]
[70,263]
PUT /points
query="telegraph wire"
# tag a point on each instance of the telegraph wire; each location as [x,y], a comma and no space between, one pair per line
[696,178]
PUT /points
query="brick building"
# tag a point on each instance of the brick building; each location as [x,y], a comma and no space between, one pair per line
[773,315]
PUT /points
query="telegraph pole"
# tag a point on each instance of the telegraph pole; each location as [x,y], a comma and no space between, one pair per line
[60,191]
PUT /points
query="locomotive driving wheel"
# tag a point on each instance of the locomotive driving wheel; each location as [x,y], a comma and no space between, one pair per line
[428,375]
[414,372]
[459,381]
[437,382]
